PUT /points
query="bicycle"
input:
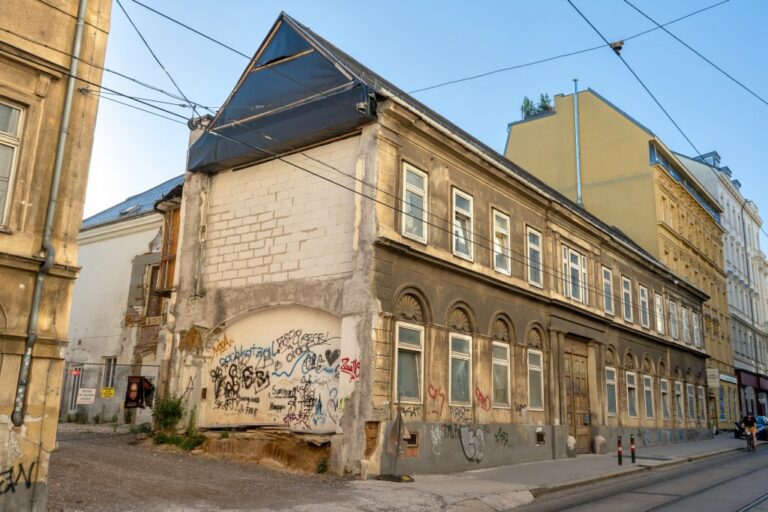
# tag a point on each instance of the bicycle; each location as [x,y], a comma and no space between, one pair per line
[750,441]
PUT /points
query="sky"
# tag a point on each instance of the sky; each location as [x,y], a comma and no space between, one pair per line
[418,44]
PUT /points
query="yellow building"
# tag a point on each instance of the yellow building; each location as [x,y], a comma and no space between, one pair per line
[46,135]
[630,179]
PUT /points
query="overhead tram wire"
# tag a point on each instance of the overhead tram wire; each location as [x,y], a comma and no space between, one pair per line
[705,59]
[640,81]
[102,68]
[135,107]
[154,56]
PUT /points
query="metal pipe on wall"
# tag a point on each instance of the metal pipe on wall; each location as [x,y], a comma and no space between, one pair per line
[576,136]
[47,246]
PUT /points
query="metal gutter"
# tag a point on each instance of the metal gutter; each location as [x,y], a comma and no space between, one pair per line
[47,247]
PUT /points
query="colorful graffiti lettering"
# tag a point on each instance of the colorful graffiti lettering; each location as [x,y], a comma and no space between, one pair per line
[351,367]
[483,400]
[221,345]
[473,443]
[502,438]
[438,396]
[9,482]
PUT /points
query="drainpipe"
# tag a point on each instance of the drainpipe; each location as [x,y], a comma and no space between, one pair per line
[578,145]
[47,247]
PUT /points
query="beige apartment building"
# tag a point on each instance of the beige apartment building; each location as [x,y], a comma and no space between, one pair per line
[630,179]
[46,135]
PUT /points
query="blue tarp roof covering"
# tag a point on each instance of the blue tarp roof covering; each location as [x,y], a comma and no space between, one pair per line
[134,206]
[291,95]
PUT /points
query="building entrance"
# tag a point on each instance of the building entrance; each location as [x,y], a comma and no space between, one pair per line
[577,394]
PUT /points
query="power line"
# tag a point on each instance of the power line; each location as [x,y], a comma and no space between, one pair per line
[721,70]
[698,153]
[134,106]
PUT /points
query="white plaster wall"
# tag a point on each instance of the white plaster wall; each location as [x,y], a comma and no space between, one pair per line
[275,222]
[101,292]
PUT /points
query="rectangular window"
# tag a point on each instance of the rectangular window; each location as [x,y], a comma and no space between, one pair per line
[461,369]
[610,390]
[686,327]
[673,330]
[691,402]
[414,203]
[500,364]
[626,297]
[659,312]
[410,343]
[501,260]
[679,400]
[702,403]
[645,314]
[535,380]
[10,140]
[664,385]
[574,275]
[608,291]
[110,365]
[631,395]
[534,258]
[462,224]
[696,329]
[648,395]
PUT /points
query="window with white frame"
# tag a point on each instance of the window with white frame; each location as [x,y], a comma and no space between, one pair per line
[696,328]
[702,403]
[534,258]
[460,369]
[535,380]
[664,387]
[501,259]
[686,327]
[607,290]
[645,314]
[10,140]
[631,395]
[462,224]
[410,346]
[610,390]
[679,400]
[673,329]
[500,368]
[626,297]
[574,274]
[648,395]
[691,402]
[659,312]
[414,203]
[110,366]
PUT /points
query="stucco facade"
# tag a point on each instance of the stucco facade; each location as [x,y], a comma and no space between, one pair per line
[631,180]
[351,294]
[34,63]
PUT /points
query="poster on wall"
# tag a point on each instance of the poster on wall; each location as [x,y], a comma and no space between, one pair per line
[86,396]
[139,393]
[280,366]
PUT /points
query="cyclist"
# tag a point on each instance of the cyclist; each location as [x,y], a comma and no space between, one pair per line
[749,424]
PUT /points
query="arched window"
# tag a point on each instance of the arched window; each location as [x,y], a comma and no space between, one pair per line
[409,343]
[535,360]
[460,357]
[501,334]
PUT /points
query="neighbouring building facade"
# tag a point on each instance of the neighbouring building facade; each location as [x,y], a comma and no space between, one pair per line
[744,264]
[44,159]
[355,271]
[118,306]
[631,180]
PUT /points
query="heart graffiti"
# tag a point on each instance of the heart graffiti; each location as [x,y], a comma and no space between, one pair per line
[331,356]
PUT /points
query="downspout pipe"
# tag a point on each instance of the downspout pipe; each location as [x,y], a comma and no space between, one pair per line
[47,246]
[577,139]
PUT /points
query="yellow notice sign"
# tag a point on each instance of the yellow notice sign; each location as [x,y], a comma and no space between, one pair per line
[107,392]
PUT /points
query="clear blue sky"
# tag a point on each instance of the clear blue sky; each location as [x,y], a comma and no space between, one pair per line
[417,44]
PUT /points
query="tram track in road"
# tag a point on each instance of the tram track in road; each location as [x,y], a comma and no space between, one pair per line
[592,495]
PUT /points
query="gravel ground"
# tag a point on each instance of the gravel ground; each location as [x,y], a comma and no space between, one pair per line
[95,468]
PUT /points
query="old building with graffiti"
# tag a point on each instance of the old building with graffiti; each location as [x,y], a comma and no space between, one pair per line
[354,269]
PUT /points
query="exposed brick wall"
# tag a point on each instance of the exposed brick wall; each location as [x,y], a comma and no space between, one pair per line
[275,222]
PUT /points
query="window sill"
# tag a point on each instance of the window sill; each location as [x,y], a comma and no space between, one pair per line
[414,238]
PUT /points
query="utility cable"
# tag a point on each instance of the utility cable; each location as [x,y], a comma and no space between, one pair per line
[698,153]
[721,70]
[154,56]
[134,106]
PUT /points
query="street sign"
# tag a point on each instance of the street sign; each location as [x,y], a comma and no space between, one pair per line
[76,371]
[107,392]
[86,396]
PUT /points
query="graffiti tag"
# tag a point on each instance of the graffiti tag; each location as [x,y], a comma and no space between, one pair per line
[438,396]
[473,443]
[483,400]
[351,367]
[9,482]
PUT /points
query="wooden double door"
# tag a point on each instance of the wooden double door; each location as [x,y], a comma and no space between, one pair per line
[577,394]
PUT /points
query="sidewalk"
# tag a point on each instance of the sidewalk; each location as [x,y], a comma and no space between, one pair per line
[506,487]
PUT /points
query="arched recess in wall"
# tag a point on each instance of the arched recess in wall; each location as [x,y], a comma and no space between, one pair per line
[460,318]
[535,337]
[676,373]
[662,368]
[630,361]
[610,356]
[648,368]
[501,328]
[411,305]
